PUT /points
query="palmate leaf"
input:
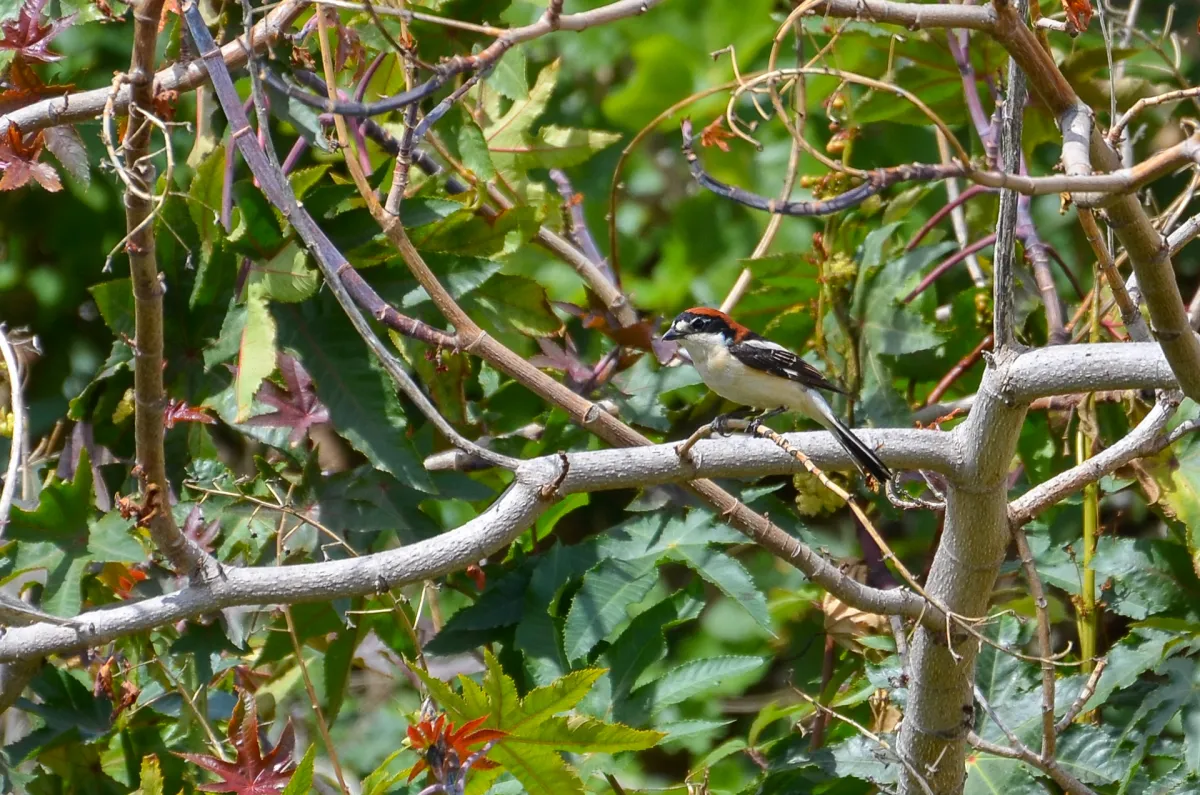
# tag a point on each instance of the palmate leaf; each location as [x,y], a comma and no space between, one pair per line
[252,772]
[531,749]
[55,537]
[361,402]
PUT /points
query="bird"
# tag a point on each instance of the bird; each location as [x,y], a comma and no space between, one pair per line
[745,368]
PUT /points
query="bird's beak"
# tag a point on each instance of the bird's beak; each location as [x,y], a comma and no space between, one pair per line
[670,335]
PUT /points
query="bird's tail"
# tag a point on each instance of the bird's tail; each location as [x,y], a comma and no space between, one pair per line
[864,457]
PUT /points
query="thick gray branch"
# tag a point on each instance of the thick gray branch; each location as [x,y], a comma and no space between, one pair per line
[1066,369]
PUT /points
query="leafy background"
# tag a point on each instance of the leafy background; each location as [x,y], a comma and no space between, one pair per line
[625,634]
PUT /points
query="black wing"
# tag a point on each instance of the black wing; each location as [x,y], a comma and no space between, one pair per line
[765,355]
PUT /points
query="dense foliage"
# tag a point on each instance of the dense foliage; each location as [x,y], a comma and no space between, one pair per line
[627,640]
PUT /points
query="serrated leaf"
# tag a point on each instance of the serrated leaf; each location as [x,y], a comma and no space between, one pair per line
[114,299]
[381,779]
[692,678]
[1092,755]
[286,276]
[151,778]
[508,76]
[553,147]
[204,198]
[256,351]
[66,145]
[517,302]
[584,735]
[730,578]
[473,148]
[302,779]
[561,695]
[602,603]
[519,120]
[111,539]
[362,404]
[890,327]
[54,537]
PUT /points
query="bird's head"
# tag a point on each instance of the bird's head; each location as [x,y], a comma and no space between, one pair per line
[703,325]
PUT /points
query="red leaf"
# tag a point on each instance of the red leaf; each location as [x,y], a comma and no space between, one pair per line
[251,773]
[28,36]
[297,408]
[180,411]
[18,161]
[1079,13]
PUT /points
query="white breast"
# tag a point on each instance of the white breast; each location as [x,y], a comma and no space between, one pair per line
[740,384]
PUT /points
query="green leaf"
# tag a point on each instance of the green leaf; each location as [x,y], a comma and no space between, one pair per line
[511,128]
[1145,576]
[554,147]
[204,199]
[636,649]
[54,537]
[302,779]
[337,664]
[730,578]
[602,603]
[111,539]
[891,327]
[286,276]
[508,76]
[381,780]
[300,116]
[256,351]
[361,401]
[114,299]
[1091,754]
[473,148]
[151,778]
[517,302]
[692,678]
[466,233]
[561,695]
[584,735]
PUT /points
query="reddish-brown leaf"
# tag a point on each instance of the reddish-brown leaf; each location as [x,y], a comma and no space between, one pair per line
[126,698]
[1079,13]
[252,773]
[28,36]
[180,411]
[716,135]
[297,408]
[19,161]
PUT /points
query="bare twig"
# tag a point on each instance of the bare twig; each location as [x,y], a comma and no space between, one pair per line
[1085,695]
[184,555]
[16,402]
[1011,124]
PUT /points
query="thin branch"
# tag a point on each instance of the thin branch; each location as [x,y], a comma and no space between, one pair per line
[1114,133]
[958,256]
[877,181]
[1012,119]
[87,105]
[960,367]
[1089,688]
[945,210]
[1025,754]
[578,230]
[1145,439]
[184,555]
[342,279]
[16,401]
[1130,314]
[1045,648]
[459,64]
